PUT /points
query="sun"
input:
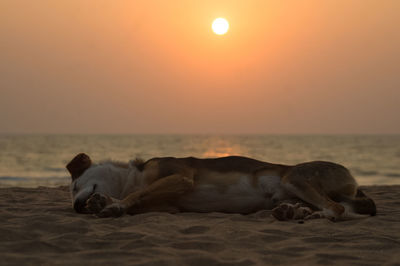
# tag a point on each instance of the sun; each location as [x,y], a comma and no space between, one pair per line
[220,26]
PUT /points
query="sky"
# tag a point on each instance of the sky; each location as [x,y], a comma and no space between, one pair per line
[136,67]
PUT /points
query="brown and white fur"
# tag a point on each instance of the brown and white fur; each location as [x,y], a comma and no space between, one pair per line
[231,184]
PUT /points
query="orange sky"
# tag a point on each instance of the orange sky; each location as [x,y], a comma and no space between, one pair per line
[80,66]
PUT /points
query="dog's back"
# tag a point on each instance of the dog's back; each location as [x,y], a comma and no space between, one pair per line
[240,164]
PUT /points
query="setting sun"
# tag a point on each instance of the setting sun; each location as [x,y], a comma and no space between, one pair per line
[220,26]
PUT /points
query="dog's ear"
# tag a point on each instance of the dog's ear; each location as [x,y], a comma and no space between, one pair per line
[78,165]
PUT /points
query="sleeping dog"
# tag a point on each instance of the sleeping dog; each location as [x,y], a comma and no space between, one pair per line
[231,184]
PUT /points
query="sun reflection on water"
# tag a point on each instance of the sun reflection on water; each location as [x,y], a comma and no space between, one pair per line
[221,148]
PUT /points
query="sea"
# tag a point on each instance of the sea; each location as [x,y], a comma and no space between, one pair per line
[39,160]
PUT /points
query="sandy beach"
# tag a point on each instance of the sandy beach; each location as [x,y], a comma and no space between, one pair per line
[38,226]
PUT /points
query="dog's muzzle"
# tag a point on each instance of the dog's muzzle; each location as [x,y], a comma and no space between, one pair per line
[80,206]
[82,197]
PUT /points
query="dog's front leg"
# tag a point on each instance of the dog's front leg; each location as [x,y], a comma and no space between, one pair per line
[159,192]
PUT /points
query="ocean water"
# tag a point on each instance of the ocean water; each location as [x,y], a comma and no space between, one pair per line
[39,160]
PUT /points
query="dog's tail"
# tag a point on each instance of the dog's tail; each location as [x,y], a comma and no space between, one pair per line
[361,203]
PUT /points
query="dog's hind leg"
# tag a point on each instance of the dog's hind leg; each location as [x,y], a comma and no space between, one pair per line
[323,184]
[302,189]
[159,192]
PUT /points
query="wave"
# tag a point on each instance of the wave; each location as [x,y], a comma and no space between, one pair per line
[392,175]
[358,172]
[25,181]
[16,178]
[366,173]
[22,178]
[55,169]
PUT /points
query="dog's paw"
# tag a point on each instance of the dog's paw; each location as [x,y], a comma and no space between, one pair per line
[287,211]
[97,202]
[316,215]
[283,212]
[303,212]
[112,210]
[323,214]
[334,213]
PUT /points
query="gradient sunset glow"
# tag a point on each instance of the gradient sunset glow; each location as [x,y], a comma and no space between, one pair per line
[157,67]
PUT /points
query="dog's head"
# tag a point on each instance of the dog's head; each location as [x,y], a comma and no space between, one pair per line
[88,178]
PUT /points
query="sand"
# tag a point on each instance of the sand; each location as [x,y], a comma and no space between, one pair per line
[38,226]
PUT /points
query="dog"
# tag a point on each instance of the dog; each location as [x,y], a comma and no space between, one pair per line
[232,184]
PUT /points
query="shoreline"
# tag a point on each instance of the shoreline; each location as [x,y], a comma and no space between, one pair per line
[38,226]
